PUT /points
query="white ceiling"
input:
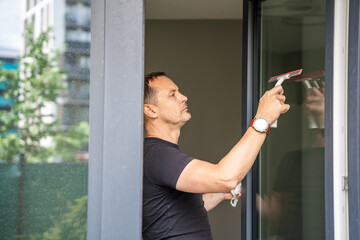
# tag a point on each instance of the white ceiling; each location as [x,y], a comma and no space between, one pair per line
[193,9]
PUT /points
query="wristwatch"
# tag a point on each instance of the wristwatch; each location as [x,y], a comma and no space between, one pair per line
[260,125]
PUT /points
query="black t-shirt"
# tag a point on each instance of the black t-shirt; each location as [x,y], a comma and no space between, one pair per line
[167,212]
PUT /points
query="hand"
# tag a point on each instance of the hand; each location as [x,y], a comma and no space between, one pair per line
[315,100]
[213,199]
[269,208]
[315,105]
[229,196]
[272,104]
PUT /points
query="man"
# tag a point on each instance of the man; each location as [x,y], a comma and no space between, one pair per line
[179,190]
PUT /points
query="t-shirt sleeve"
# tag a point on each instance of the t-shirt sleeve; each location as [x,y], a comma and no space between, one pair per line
[166,165]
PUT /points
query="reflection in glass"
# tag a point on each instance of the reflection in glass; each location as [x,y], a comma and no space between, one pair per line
[290,196]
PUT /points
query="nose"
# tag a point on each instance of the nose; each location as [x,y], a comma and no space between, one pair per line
[183,98]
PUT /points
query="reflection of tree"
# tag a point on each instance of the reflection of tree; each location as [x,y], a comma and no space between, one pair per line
[37,83]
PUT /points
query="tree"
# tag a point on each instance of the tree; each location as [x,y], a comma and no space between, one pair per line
[37,82]
[72,225]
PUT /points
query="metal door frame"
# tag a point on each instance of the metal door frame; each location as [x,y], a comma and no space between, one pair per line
[116,120]
[354,120]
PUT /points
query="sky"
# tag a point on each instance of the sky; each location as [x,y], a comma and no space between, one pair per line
[10,26]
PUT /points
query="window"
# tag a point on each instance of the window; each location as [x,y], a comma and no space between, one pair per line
[44,167]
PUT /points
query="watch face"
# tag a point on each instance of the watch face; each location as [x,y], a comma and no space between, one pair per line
[261,124]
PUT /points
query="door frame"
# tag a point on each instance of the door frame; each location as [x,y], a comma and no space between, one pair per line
[353,120]
[116,120]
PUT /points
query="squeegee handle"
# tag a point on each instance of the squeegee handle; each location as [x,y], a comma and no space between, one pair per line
[274,124]
[278,83]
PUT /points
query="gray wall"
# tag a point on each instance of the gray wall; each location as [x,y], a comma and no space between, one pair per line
[203,57]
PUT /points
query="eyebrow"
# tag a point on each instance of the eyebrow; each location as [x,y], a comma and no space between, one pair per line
[173,90]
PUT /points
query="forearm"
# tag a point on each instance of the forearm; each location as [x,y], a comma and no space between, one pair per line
[211,200]
[236,164]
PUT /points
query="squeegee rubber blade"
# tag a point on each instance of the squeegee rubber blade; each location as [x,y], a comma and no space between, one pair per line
[295,73]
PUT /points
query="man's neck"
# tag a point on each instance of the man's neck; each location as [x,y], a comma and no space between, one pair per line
[168,134]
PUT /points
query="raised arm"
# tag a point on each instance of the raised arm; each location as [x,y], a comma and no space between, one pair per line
[204,177]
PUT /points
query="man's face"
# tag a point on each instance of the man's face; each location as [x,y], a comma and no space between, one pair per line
[170,102]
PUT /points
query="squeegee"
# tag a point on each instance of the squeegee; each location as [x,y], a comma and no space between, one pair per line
[280,79]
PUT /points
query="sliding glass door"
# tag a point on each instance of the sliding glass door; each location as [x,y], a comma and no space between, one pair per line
[290,203]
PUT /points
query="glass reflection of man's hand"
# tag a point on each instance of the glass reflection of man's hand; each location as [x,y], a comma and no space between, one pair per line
[269,208]
[315,104]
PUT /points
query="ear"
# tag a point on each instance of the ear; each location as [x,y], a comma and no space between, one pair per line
[150,111]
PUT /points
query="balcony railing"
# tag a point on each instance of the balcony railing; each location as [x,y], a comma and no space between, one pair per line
[87,2]
[75,22]
[78,47]
[75,72]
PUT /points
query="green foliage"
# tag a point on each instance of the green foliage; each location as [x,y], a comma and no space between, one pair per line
[38,81]
[72,225]
[69,226]
[69,142]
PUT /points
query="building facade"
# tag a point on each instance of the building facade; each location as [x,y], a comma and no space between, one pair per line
[77,61]
[70,21]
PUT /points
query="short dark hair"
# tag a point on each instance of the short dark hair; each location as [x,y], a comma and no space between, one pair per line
[149,93]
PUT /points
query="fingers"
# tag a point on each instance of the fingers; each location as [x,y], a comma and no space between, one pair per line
[314,98]
[272,104]
[228,196]
[315,92]
[277,90]
[285,108]
[239,195]
[281,98]
[314,108]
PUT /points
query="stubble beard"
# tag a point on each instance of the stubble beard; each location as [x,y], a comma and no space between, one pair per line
[185,117]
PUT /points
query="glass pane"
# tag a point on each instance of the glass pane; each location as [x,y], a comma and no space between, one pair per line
[44,115]
[290,196]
